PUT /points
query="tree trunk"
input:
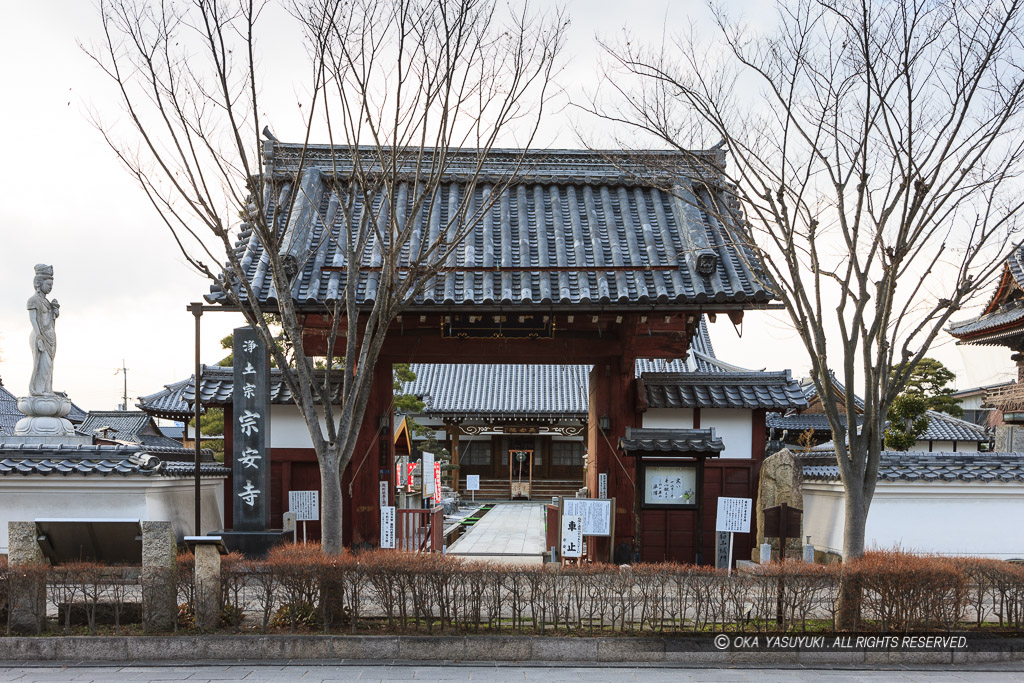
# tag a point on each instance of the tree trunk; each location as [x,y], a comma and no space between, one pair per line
[848,608]
[330,505]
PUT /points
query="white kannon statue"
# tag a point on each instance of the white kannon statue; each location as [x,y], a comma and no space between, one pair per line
[43,314]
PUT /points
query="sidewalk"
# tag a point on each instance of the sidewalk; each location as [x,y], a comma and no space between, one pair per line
[511,533]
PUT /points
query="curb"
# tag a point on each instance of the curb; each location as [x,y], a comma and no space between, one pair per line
[519,649]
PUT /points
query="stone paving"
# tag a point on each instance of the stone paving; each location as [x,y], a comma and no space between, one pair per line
[483,671]
[511,533]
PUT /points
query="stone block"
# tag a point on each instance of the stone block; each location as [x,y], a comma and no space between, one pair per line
[17,649]
[207,588]
[297,647]
[27,602]
[364,647]
[159,553]
[93,648]
[433,648]
[630,650]
[556,649]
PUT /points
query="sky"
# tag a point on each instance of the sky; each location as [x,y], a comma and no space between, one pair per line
[122,284]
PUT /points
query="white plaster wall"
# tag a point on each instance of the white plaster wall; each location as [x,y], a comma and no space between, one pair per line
[24,499]
[948,518]
[668,418]
[946,446]
[288,429]
[734,427]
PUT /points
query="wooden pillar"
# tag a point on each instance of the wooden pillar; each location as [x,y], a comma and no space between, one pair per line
[611,396]
[374,450]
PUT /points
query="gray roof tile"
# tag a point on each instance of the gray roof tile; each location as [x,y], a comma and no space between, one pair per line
[578,228]
[671,441]
[102,460]
[750,390]
[938,467]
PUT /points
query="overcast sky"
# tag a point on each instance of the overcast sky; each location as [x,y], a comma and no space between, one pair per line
[122,285]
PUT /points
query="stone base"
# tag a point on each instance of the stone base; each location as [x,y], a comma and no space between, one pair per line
[49,405]
[45,426]
[253,544]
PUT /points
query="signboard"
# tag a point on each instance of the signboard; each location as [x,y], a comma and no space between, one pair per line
[437,481]
[305,505]
[401,470]
[426,474]
[595,513]
[722,545]
[572,536]
[733,515]
[387,526]
[251,415]
[602,485]
[383,494]
[472,482]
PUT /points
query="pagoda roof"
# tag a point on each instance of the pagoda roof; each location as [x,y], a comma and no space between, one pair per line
[1001,323]
[575,229]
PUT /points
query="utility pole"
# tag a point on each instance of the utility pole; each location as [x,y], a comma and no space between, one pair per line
[123,371]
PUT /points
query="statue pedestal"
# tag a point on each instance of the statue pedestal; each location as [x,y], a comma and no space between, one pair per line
[45,422]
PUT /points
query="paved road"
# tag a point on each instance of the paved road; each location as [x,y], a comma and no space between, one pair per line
[364,671]
[509,533]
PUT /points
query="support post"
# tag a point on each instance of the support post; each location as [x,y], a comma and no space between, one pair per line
[197,312]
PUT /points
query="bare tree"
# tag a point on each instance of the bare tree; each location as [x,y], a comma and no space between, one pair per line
[875,150]
[397,86]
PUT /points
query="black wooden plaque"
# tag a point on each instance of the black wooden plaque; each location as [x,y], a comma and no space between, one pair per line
[251,428]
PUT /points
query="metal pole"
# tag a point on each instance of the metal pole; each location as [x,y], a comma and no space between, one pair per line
[197,312]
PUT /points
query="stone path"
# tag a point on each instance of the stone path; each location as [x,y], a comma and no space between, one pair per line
[511,533]
[482,671]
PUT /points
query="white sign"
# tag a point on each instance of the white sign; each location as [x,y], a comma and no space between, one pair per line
[305,505]
[427,474]
[472,482]
[387,526]
[733,515]
[383,494]
[602,485]
[596,515]
[572,536]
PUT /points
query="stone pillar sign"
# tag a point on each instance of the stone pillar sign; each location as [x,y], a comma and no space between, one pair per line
[251,426]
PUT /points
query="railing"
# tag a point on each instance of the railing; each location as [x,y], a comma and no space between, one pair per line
[420,531]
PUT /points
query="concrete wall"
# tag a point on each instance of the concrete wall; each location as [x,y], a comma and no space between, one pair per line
[945,518]
[23,499]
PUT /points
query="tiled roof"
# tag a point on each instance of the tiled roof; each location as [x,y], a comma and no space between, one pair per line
[538,390]
[9,413]
[927,467]
[800,422]
[671,440]
[1011,313]
[124,423]
[578,228]
[943,427]
[170,402]
[811,391]
[749,390]
[124,460]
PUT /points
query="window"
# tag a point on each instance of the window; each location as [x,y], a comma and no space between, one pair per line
[475,453]
[567,453]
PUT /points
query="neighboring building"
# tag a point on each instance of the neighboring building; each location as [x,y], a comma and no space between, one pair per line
[935,503]
[124,427]
[809,427]
[975,409]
